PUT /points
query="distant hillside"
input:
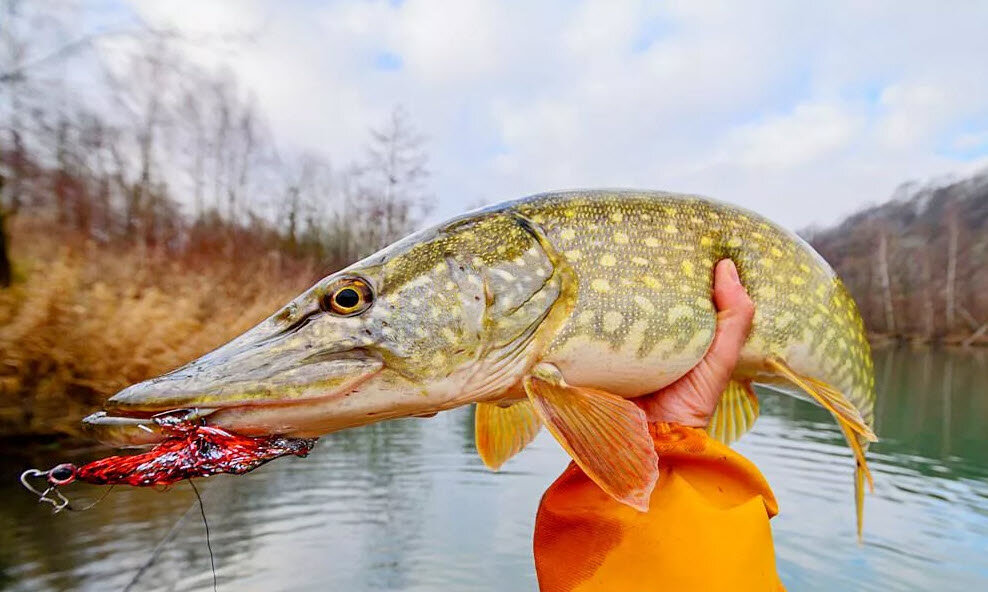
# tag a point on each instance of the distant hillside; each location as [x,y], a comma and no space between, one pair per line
[918,264]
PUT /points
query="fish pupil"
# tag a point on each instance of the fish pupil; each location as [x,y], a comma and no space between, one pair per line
[347,298]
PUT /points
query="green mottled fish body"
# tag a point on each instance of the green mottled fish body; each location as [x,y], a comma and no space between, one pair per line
[644,313]
[552,310]
[640,313]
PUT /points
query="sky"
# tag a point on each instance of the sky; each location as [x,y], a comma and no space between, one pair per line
[805,112]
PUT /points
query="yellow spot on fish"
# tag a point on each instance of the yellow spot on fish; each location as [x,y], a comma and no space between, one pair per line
[651,282]
[671,229]
[639,261]
[600,285]
[617,217]
[651,242]
[680,311]
[585,318]
[795,298]
[607,260]
[815,320]
[687,268]
[766,262]
[706,241]
[568,233]
[504,275]
[734,242]
[644,303]
[448,334]
[776,252]
[797,280]
[478,262]
[612,320]
[767,292]
[620,238]
[784,319]
[450,286]
[573,255]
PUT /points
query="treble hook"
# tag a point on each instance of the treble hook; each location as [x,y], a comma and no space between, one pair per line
[60,475]
[55,477]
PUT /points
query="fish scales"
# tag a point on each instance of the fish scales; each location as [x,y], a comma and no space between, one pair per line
[645,266]
[644,313]
[550,310]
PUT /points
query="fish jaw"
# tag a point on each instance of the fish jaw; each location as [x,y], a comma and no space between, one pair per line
[279,363]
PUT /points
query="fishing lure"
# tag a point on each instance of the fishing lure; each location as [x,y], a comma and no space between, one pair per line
[191,450]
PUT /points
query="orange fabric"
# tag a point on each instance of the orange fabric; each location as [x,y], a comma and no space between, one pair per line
[706,528]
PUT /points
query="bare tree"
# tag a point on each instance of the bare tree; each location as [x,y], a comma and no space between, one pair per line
[5,268]
[883,274]
[392,180]
[950,289]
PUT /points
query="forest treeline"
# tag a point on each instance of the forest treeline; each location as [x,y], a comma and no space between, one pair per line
[147,215]
[917,265]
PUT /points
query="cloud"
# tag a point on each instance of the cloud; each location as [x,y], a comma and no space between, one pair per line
[802,112]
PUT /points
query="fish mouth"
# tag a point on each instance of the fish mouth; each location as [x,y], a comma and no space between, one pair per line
[250,382]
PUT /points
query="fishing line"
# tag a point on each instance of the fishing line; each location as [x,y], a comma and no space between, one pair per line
[158,549]
[205,523]
[156,552]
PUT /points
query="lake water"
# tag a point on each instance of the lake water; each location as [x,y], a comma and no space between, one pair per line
[407,505]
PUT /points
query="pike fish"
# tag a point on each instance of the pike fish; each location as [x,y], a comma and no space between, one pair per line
[558,309]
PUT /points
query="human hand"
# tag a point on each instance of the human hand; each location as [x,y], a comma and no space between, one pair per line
[691,400]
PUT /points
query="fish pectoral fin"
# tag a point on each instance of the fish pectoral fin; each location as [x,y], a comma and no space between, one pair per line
[606,435]
[735,414]
[501,432]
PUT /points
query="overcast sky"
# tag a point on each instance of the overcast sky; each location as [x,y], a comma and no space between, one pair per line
[802,111]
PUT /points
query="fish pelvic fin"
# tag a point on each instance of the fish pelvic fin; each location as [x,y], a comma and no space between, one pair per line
[857,433]
[735,414]
[606,435]
[501,432]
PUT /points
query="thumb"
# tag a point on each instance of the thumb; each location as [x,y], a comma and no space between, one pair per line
[692,399]
[735,312]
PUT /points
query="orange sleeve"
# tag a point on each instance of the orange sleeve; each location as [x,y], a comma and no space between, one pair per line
[706,529]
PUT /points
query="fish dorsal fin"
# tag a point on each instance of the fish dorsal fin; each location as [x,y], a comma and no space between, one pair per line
[735,414]
[606,435]
[503,431]
[857,433]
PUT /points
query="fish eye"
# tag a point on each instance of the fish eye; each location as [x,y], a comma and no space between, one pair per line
[348,297]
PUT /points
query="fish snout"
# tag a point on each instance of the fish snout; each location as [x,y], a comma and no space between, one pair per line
[242,377]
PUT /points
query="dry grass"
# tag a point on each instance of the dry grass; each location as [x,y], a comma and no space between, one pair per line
[85,320]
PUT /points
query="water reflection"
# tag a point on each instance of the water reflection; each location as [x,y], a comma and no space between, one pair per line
[407,505]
